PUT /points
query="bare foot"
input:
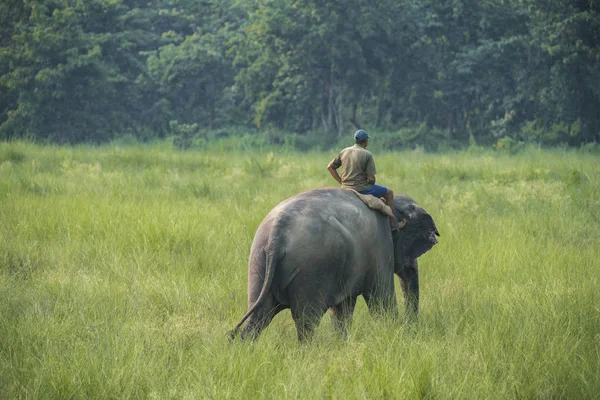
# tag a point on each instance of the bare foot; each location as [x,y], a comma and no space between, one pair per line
[393,224]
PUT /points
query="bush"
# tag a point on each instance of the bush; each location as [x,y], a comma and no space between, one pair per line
[509,145]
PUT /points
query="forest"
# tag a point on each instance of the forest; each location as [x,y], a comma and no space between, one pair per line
[426,73]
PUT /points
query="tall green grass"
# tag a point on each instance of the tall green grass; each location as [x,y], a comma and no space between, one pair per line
[122,268]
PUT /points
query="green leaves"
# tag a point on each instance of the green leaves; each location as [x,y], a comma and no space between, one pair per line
[93,70]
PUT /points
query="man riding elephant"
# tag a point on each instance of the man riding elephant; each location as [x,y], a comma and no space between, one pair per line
[358,171]
[323,248]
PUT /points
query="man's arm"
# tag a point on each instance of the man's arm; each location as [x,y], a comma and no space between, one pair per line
[333,166]
[334,173]
[371,171]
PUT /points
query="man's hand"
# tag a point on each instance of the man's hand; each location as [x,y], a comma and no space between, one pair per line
[335,174]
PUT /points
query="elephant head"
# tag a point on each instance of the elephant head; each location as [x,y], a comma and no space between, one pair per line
[416,236]
[418,232]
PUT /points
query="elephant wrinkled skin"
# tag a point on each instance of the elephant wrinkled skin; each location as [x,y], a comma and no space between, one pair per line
[322,249]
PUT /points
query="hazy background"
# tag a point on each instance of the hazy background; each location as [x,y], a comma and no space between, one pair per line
[428,73]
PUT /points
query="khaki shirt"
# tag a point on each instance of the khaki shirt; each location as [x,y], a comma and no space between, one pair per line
[358,168]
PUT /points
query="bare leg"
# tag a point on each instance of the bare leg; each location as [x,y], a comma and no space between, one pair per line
[341,316]
[389,200]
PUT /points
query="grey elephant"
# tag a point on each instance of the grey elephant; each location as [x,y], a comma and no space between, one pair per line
[322,249]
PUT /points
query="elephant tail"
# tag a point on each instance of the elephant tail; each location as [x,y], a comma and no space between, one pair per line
[273,253]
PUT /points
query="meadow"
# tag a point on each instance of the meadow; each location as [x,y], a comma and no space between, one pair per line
[123,267]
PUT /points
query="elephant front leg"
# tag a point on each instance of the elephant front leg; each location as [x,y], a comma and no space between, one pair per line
[381,298]
[341,316]
[382,305]
[409,280]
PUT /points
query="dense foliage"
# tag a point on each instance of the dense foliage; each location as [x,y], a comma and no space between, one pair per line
[426,71]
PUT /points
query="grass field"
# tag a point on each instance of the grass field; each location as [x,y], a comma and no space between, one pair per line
[122,268]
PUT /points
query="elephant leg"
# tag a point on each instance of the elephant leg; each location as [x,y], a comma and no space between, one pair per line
[382,304]
[306,326]
[381,298]
[341,316]
[409,280]
[261,318]
[307,317]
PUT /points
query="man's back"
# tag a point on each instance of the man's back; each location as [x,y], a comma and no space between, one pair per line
[358,167]
[358,171]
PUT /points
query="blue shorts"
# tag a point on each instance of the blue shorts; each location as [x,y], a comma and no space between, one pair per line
[376,190]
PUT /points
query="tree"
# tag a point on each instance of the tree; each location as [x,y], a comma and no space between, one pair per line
[189,78]
[302,62]
[459,70]
[11,13]
[568,36]
[65,86]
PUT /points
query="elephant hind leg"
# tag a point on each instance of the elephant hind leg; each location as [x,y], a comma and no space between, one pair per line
[261,318]
[341,316]
[307,318]
[305,327]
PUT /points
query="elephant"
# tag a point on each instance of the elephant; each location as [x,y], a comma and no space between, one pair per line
[323,248]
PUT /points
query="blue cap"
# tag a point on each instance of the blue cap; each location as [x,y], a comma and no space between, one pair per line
[361,135]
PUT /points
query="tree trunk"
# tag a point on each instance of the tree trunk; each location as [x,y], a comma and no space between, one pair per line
[330,101]
[353,116]
[582,130]
[212,102]
[340,112]
[451,121]
[323,119]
